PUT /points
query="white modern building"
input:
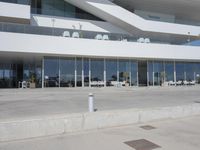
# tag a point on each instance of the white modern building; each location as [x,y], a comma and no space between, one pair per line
[80,43]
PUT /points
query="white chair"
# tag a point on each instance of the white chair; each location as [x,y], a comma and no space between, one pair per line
[141,40]
[147,40]
[124,40]
[24,84]
[179,83]
[99,37]
[75,35]
[192,82]
[185,82]
[66,34]
[105,37]
[171,83]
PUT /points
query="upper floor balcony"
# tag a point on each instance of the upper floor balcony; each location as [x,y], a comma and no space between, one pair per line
[83,34]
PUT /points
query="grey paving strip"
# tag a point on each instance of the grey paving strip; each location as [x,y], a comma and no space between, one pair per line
[147,127]
[196,101]
[142,144]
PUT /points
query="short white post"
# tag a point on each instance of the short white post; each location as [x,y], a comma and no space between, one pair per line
[91,102]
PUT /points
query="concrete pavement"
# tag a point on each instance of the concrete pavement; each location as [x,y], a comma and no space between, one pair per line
[34,103]
[178,134]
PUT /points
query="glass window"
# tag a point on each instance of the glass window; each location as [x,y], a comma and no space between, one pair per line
[180,75]
[189,71]
[111,72]
[51,72]
[158,73]
[86,68]
[124,72]
[150,73]
[97,70]
[197,72]
[169,71]
[134,73]
[79,72]
[67,72]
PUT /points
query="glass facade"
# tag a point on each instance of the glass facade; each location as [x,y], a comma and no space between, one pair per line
[51,72]
[59,8]
[12,73]
[87,72]
[111,71]
[97,70]
[67,72]
[124,72]
[169,71]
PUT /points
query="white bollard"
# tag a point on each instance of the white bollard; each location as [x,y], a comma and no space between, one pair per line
[91,102]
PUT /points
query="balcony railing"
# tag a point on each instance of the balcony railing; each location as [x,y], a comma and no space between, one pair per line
[51,31]
[24,2]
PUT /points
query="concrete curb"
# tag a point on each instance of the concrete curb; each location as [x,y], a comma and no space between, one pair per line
[46,126]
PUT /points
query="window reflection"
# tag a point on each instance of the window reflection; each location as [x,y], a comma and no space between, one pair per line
[51,72]
[134,73]
[67,72]
[111,72]
[124,72]
[180,73]
[158,73]
[79,65]
[169,71]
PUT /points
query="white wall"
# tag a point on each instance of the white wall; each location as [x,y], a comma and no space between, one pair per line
[51,45]
[14,10]
[70,23]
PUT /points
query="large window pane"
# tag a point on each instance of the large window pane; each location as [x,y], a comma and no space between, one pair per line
[150,73]
[134,73]
[158,73]
[86,67]
[51,72]
[79,72]
[197,72]
[67,72]
[189,71]
[97,71]
[180,71]
[169,71]
[124,72]
[111,72]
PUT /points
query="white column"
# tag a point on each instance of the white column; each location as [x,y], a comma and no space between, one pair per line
[174,71]
[59,71]
[89,72]
[43,72]
[82,73]
[104,72]
[117,70]
[75,73]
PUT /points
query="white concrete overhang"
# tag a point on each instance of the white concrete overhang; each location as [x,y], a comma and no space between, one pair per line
[131,22]
[15,13]
[12,43]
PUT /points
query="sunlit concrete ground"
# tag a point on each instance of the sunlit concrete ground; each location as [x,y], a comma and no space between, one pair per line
[28,103]
[180,134]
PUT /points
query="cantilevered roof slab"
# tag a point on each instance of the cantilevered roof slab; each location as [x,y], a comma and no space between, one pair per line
[131,22]
[182,9]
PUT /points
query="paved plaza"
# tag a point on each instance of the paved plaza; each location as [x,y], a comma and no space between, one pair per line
[179,134]
[30,103]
